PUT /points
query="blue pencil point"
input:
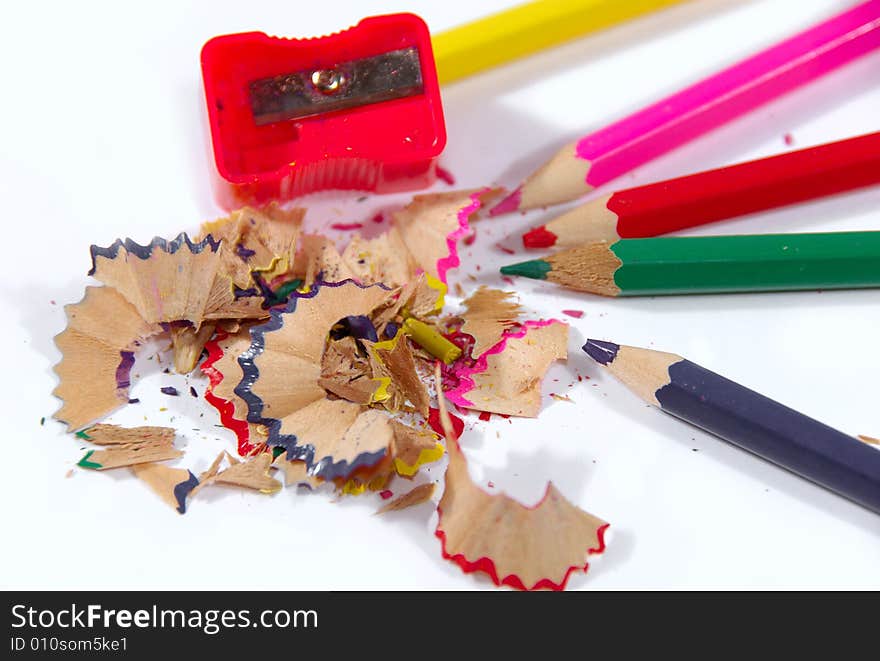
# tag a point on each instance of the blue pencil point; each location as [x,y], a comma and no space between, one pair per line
[601,351]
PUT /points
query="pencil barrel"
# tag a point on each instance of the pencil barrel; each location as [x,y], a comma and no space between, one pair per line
[773,431]
[773,262]
[744,188]
[525,29]
[716,100]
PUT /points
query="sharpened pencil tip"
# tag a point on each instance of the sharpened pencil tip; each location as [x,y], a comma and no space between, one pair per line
[601,351]
[539,237]
[508,205]
[536,269]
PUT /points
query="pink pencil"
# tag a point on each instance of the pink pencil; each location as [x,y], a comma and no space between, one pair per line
[620,147]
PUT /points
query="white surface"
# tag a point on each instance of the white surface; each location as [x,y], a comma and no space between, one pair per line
[102,135]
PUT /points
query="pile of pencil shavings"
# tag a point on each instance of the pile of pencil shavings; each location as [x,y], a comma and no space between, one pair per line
[325,364]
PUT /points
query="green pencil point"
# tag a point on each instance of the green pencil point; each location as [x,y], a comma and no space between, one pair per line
[85,463]
[536,269]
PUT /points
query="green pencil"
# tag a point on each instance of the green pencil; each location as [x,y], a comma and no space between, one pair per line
[713,264]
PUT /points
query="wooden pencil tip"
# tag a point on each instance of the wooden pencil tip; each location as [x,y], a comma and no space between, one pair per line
[536,269]
[508,205]
[539,237]
[601,351]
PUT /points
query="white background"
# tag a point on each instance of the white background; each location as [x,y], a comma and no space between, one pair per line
[102,135]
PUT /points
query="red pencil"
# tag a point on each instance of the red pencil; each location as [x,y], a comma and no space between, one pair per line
[705,197]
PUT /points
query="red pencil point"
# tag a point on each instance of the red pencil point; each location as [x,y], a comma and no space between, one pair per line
[540,237]
[508,204]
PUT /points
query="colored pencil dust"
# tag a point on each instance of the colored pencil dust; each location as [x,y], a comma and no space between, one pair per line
[620,147]
[713,264]
[789,439]
[705,197]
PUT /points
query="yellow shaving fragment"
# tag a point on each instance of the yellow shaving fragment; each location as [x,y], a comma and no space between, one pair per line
[378,482]
[440,287]
[425,457]
[354,487]
[381,393]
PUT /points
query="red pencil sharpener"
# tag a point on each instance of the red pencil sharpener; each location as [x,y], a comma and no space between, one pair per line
[358,109]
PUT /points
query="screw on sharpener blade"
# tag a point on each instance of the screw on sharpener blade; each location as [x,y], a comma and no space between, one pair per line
[329,81]
[393,75]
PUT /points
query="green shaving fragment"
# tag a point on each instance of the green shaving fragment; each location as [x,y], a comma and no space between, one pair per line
[284,290]
[82,434]
[85,463]
[281,294]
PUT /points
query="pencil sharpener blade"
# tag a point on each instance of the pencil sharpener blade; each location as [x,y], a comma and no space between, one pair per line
[359,109]
[384,77]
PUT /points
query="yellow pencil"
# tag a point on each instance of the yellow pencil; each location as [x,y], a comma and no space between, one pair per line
[526,29]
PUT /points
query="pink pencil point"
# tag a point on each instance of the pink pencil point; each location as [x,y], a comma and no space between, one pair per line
[508,205]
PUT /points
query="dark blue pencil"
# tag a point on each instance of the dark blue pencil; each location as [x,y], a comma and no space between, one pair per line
[745,418]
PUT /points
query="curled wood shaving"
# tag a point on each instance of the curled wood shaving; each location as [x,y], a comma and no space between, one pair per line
[394,359]
[489,313]
[317,256]
[165,281]
[525,547]
[431,225]
[257,241]
[289,366]
[337,437]
[412,448]
[208,475]
[97,347]
[102,434]
[346,373]
[224,372]
[129,454]
[296,472]
[507,378]
[222,304]
[251,474]
[187,344]
[172,485]
[423,296]
[384,259]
